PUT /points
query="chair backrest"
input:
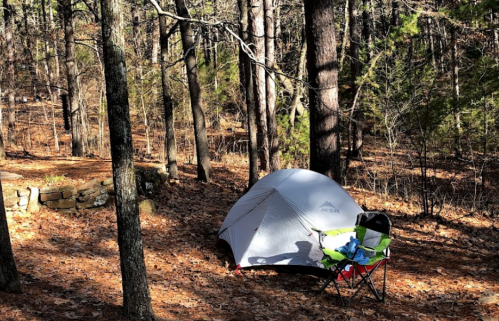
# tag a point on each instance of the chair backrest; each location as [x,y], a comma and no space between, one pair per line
[372,227]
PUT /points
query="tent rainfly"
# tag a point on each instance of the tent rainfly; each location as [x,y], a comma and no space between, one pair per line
[272,223]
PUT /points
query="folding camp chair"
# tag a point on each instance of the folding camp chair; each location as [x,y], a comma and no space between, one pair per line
[359,258]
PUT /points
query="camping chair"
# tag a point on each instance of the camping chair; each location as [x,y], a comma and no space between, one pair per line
[361,257]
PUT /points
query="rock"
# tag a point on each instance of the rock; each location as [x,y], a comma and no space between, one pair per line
[141,190]
[33,205]
[10,201]
[9,193]
[92,191]
[68,193]
[107,181]
[50,196]
[49,189]
[93,202]
[148,207]
[93,195]
[23,201]
[87,185]
[55,189]
[110,189]
[150,175]
[23,192]
[7,176]
[163,174]
[62,203]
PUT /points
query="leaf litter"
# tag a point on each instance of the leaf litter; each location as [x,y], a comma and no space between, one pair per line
[442,269]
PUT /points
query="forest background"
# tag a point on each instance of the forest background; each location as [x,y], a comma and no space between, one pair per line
[416,102]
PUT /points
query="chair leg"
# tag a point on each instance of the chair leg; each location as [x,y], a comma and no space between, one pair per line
[367,280]
[333,276]
[328,281]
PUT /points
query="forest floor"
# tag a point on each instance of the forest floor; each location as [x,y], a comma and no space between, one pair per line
[443,268]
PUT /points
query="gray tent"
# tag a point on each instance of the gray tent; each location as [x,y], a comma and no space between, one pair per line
[272,223]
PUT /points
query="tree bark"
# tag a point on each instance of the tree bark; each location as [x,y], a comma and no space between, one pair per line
[2,145]
[296,106]
[243,34]
[245,63]
[46,63]
[257,31]
[28,45]
[155,41]
[358,114]
[322,65]
[270,86]
[395,20]
[137,38]
[168,103]
[346,31]
[136,297]
[9,279]
[71,72]
[455,91]
[55,41]
[8,15]
[202,152]
[366,29]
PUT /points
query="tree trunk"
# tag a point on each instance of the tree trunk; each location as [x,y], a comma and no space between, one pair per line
[345,35]
[155,41]
[358,114]
[278,30]
[8,15]
[136,298]
[137,39]
[296,106]
[2,145]
[28,45]
[9,279]
[270,86]
[366,29]
[168,103]
[245,63]
[202,152]
[257,30]
[55,41]
[71,71]
[243,34]
[46,63]
[455,90]
[395,21]
[322,65]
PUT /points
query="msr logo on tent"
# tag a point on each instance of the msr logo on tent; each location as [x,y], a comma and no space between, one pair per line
[328,208]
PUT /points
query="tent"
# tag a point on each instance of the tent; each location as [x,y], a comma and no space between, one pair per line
[272,223]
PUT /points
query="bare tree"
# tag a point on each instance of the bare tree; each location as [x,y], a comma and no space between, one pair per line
[168,103]
[257,32]
[8,17]
[245,64]
[189,44]
[357,121]
[71,72]
[270,85]
[136,297]
[455,91]
[322,65]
